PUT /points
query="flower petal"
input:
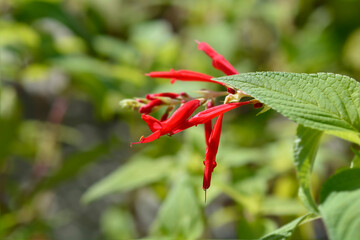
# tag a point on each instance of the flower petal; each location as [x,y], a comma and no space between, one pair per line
[208,124]
[219,62]
[152,122]
[206,115]
[165,94]
[146,109]
[208,129]
[213,112]
[184,75]
[180,115]
[211,151]
[155,135]
[161,128]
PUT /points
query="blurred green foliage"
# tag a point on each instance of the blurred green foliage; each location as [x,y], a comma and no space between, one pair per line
[64,67]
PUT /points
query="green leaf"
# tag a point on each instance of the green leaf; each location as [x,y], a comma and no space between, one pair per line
[250,203]
[180,214]
[305,149]
[83,64]
[323,101]
[277,206]
[355,163]
[115,49]
[7,221]
[134,174]
[118,224]
[254,229]
[286,231]
[340,205]
[346,180]
[15,34]
[349,136]
[30,11]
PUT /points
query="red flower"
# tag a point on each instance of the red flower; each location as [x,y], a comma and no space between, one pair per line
[166,94]
[208,124]
[183,75]
[152,122]
[155,101]
[219,62]
[161,128]
[206,115]
[213,112]
[211,151]
[181,120]
[147,108]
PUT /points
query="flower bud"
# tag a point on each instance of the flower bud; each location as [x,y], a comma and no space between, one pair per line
[130,104]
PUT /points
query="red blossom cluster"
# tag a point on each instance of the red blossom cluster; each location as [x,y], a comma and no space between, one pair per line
[181,119]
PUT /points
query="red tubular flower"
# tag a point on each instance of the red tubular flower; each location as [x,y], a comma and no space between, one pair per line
[211,151]
[166,94]
[146,109]
[219,62]
[152,122]
[208,124]
[154,101]
[208,129]
[206,115]
[184,75]
[161,128]
[213,112]
[181,120]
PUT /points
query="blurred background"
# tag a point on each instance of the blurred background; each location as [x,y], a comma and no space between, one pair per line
[66,167]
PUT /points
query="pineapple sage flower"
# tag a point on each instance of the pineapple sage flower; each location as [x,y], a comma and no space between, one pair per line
[182,119]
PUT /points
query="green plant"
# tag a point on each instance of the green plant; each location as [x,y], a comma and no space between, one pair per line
[318,103]
[64,67]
